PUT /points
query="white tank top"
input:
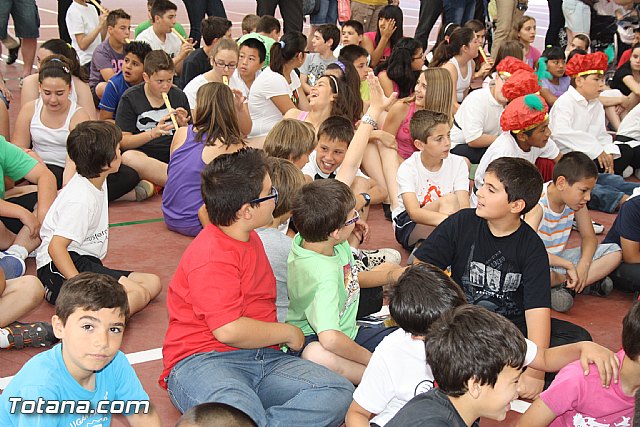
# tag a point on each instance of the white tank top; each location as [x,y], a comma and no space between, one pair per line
[74,95]
[463,83]
[50,144]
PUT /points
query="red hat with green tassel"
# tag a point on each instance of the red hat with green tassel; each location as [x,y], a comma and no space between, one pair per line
[524,113]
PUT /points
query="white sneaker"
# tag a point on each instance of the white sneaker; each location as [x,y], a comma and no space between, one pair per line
[597,227]
[627,172]
[371,258]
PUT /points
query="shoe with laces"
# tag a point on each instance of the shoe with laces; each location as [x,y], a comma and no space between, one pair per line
[144,189]
[13,55]
[36,334]
[370,258]
[12,265]
[601,288]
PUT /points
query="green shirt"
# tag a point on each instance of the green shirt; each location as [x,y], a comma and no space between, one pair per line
[14,163]
[323,290]
[146,24]
[267,41]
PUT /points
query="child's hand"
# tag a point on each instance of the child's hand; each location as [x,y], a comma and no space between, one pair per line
[605,360]
[571,277]
[529,386]
[182,116]
[486,67]
[377,99]
[605,160]
[296,337]
[163,127]
[5,92]
[386,139]
[103,19]
[32,223]
[362,229]
[582,270]
[387,28]
[186,48]
[238,99]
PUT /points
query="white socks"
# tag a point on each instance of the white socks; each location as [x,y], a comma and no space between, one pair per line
[19,251]
[4,338]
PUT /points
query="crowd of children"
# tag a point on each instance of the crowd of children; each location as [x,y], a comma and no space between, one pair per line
[270,151]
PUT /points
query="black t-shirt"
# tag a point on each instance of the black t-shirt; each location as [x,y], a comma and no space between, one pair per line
[136,115]
[506,275]
[627,223]
[620,74]
[432,409]
[197,63]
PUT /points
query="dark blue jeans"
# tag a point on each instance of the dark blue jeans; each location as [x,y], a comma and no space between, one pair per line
[458,11]
[196,9]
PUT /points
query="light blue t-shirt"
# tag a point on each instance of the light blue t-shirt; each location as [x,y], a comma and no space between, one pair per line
[46,377]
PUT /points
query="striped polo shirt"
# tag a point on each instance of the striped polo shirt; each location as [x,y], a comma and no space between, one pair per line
[555,227]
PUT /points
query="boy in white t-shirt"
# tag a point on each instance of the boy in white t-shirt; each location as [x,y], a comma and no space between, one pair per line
[397,371]
[86,28]
[160,35]
[525,123]
[75,231]
[432,184]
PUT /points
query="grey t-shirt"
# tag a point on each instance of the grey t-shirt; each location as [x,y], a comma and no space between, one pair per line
[277,245]
[314,67]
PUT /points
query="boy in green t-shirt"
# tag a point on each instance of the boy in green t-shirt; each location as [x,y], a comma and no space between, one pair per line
[146,24]
[323,284]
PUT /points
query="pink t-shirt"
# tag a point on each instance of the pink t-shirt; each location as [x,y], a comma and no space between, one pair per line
[387,50]
[581,401]
[532,57]
[403,136]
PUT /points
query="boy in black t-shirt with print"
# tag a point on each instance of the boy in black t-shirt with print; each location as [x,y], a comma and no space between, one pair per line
[147,128]
[500,262]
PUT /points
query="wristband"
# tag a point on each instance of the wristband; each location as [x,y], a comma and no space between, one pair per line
[370,121]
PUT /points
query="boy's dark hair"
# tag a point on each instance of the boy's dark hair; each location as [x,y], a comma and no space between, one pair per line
[356,25]
[330,31]
[322,207]
[160,7]
[352,53]
[92,146]
[475,25]
[57,67]
[472,342]
[158,60]
[423,122]
[286,49]
[230,181]
[214,414]
[138,48]
[250,23]
[91,292]
[254,43]
[553,53]
[520,178]
[420,296]
[214,27]
[267,24]
[631,332]
[337,128]
[114,15]
[575,166]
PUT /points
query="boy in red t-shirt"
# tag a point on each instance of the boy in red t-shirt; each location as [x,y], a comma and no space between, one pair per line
[223,337]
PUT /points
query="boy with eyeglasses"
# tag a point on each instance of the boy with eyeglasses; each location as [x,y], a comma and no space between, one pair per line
[222,344]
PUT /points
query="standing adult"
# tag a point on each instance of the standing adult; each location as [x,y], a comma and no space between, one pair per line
[556,23]
[27,25]
[291,11]
[196,9]
[430,11]
[508,12]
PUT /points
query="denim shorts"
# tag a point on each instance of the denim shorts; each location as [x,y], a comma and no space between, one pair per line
[25,18]
[573,254]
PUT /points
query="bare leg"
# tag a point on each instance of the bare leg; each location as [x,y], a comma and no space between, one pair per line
[4,122]
[21,295]
[147,167]
[141,289]
[24,239]
[612,116]
[29,47]
[601,267]
[100,89]
[349,369]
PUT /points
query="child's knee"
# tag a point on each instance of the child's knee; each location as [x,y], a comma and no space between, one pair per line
[149,283]
[31,288]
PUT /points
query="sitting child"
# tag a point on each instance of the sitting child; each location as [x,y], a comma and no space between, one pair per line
[324,292]
[398,370]
[292,140]
[75,231]
[91,315]
[551,68]
[147,129]
[222,313]
[499,261]
[577,270]
[432,183]
[108,57]
[131,75]
[160,35]
[214,414]
[325,39]
[146,24]
[575,399]
[267,31]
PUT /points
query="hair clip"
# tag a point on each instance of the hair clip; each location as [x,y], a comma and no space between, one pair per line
[281,44]
[341,65]
[64,66]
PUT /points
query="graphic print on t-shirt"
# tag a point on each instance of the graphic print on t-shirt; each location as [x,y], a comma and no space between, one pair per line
[351,285]
[431,193]
[150,119]
[580,420]
[489,282]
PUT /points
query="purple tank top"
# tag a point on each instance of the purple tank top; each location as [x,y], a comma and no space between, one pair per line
[181,196]
[403,137]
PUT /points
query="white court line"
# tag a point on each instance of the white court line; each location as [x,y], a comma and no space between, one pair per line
[134,358]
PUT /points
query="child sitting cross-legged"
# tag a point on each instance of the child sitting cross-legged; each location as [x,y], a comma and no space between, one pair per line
[576,270]
[75,231]
[432,183]
[87,368]
[324,292]
[574,399]
[398,370]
